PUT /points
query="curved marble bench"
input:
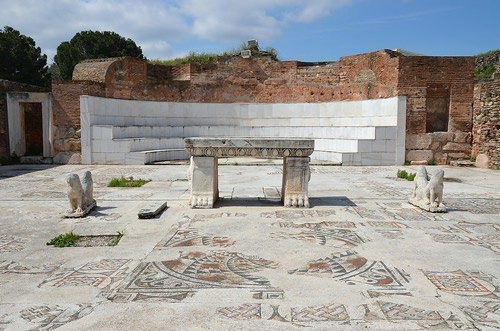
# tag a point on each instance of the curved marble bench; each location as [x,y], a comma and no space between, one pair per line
[203,171]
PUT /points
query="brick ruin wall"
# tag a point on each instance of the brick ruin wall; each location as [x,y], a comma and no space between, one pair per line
[5,87]
[486,121]
[427,79]
[260,79]
[66,112]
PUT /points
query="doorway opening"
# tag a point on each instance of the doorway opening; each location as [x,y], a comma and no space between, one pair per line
[437,108]
[32,124]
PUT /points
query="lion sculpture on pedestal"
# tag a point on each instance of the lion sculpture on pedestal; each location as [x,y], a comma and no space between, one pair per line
[428,194]
[80,194]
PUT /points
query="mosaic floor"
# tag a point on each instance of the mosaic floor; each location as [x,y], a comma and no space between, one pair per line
[360,258]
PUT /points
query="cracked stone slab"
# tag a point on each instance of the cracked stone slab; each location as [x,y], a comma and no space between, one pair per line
[152,209]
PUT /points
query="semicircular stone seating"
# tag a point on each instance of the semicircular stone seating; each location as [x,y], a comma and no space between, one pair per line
[366,132]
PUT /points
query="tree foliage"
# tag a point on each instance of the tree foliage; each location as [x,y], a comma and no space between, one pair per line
[93,45]
[20,59]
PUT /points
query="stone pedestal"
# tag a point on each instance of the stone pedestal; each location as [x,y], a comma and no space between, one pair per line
[204,182]
[296,175]
[428,207]
[86,209]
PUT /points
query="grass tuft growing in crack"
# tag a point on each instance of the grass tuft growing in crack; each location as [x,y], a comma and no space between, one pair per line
[64,240]
[127,182]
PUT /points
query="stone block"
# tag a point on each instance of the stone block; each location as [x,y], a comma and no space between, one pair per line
[451,146]
[68,158]
[419,155]
[418,141]
[462,137]
[457,156]
[482,161]
[441,136]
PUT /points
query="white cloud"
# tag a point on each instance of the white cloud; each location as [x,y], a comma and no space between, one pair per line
[155,24]
[230,20]
[313,10]
[151,24]
[156,49]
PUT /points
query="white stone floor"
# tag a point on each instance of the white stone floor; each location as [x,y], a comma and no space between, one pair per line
[360,258]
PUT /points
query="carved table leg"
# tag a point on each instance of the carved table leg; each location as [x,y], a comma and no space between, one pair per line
[204,182]
[296,175]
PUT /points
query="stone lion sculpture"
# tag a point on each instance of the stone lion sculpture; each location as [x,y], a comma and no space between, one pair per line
[434,189]
[428,194]
[80,194]
[420,182]
[75,193]
[88,189]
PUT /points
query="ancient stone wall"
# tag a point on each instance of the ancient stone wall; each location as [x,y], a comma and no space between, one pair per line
[8,86]
[66,112]
[486,121]
[430,82]
[442,85]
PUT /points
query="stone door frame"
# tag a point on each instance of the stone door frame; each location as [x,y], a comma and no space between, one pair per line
[17,139]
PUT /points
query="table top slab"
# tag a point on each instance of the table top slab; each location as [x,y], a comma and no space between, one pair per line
[251,147]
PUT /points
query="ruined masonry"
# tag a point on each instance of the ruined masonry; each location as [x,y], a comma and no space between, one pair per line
[378,108]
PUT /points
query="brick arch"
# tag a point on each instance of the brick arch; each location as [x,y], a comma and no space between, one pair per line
[97,70]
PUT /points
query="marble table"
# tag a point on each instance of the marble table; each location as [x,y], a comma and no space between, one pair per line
[203,171]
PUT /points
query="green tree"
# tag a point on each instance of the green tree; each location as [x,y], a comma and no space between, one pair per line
[54,71]
[93,45]
[20,59]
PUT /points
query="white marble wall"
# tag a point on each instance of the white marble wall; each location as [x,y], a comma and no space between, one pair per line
[368,132]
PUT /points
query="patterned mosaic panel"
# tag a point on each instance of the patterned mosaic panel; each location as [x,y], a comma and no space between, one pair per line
[103,274]
[193,237]
[295,214]
[391,234]
[299,316]
[474,206]
[352,268]
[174,280]
[50,317]
[485,235]
[384,190]
[247,311]
[204,217]
[486,315]
[378,224]
[327,237]
[462,283]
[427,319]
[12,267]
[320,313]
[333,315]
[11,244]
[318,225]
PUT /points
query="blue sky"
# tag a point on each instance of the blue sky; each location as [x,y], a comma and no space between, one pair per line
[314,30]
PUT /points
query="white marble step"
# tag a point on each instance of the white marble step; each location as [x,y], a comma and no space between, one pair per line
[342,132]
[327,156]
[353,121]
[151,143]
[151,156]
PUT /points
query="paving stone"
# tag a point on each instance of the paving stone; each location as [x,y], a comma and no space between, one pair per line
[152,209]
